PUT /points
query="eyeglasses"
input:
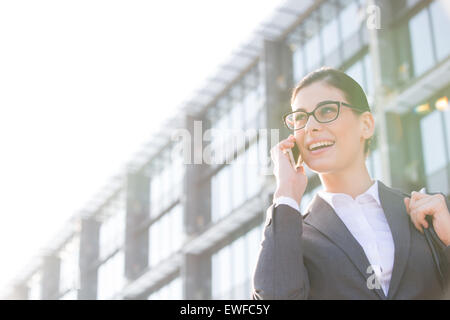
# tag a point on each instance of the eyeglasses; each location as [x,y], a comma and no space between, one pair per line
[325,111]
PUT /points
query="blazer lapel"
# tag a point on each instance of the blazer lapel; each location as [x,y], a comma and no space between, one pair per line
[398,220]
[323,217]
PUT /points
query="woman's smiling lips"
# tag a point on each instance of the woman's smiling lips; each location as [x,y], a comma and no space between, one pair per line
[321,150]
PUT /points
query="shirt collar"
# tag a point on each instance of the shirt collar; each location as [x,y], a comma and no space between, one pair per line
[372,191]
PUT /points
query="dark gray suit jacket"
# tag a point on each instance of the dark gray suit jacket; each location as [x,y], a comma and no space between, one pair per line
[316,256]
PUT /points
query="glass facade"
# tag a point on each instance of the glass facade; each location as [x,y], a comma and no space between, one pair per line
[435,134]
[166,179]
[348,18]
[241,116]
[166,231]
[332,35]
[112,233]
[171,291]
[69,281]
[35,286]
[233,266]
[322,38]
[111,277]
[428,31]
[166,235]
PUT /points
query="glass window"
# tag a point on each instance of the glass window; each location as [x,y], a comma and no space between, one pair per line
[177,227]
[253,182]
[177,172]
[446,115]
[221,193]
[112,229]
[225,280]
[155,201]
[356,72]
[164,240]
[155,245]
[166,235]
[171,291]
[233,266]
[312,48]
[420,34]
[167,179]
[330,37]
[69,274]
[434,154]
[369,86]
[111,277]
[215,197]
[254,246]
[373,163]
[349,20]
[238,180]
[35,286]
[433,142]
[253,105]
[226,181]
[237,116]
[225,135]
[440,17]
[216,275]
[298,64]
[240,276]
[70,295]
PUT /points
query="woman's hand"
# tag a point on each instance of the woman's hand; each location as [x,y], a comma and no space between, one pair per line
[290,183]
[420,205]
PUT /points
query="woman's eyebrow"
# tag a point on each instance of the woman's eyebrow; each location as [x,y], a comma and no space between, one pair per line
[300,109]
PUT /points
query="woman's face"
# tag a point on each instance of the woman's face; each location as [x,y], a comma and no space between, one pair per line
[348,131]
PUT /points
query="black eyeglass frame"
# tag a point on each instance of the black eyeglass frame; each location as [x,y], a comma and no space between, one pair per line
[338,103]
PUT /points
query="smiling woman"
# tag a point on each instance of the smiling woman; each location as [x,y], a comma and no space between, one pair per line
[356,222]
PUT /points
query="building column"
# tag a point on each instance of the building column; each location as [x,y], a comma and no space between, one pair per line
[19,292]
[89,255]
[50,277]
[197,277]
[382,48]
[136,240]
[196,203]
[278,77]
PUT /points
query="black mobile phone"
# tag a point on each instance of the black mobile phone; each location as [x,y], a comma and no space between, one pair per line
[293,154]
[296,153]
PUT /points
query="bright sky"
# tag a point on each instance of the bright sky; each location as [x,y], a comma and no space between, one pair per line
[82,85]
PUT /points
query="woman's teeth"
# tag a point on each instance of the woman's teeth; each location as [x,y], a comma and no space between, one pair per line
[319,145]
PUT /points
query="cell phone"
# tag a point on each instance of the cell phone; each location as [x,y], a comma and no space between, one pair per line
[292,157]
[297,155]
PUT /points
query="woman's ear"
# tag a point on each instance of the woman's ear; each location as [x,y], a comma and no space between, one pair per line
[368,123]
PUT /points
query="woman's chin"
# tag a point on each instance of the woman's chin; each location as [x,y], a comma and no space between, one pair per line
[321,165]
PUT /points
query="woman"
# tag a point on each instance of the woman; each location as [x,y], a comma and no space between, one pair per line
[359,239]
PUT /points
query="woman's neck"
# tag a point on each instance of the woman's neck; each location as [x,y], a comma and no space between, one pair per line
[352,180]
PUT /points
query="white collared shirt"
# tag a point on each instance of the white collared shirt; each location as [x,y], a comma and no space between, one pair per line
[365,219]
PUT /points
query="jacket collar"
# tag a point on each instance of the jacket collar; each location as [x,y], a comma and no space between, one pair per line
[322,217]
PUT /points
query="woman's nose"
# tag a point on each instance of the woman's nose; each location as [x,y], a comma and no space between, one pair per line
[312,124]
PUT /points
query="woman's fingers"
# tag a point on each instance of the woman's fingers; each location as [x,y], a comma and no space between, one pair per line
[412,216]
[406,200]
[418,210]
[287,143]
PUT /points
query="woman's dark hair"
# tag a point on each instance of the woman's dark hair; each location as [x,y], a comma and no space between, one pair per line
[340,80]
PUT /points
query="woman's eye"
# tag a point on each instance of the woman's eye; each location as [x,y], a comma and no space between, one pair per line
[327,111]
